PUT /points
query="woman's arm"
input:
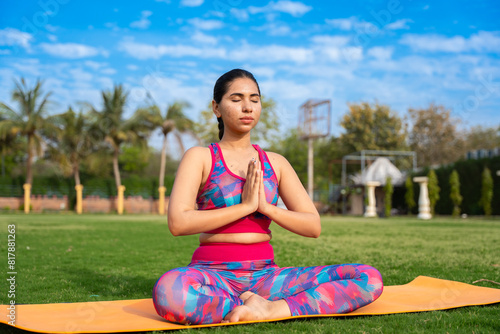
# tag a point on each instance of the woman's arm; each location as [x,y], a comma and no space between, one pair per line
[301,217]
[184,218]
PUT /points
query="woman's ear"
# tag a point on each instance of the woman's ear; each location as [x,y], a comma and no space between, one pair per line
[215,109]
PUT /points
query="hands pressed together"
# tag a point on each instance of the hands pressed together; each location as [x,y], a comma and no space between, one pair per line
[253,193]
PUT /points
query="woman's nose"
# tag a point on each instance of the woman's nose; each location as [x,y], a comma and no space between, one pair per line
[247,106]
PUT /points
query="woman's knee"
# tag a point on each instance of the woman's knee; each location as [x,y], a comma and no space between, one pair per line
[170,296]
[374,280]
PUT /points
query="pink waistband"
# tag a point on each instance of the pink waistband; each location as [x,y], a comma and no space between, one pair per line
[229,252]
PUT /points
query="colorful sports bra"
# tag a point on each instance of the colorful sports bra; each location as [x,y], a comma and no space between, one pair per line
[223,189]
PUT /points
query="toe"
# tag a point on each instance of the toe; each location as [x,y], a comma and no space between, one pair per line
[245,295]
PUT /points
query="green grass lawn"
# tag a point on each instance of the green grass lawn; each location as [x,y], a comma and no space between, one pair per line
[70,258]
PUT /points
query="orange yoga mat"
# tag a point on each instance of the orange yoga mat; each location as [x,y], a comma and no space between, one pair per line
[421,294]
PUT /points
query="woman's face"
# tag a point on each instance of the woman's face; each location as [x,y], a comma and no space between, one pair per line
[240,107]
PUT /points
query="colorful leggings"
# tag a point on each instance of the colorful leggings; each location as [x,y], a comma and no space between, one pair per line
[204,292]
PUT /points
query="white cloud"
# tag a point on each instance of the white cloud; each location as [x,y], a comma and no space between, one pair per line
[4,52]
[80,75]
[330,40]
[240,14]
[132,67]
[482,41]
[200,37]
[274,29]
[206,24]
[93,64]
[353,23]
[108,71]
[294,8]
[146,51]
[434,42]
[70,50]
[485,41]
[143,22]
[52,38]
[12,37]
[399,24]
[272,53]
[342,24]
[191,3]
[381,53]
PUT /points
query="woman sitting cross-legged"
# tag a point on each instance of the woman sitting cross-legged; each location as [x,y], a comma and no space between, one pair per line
[227,193]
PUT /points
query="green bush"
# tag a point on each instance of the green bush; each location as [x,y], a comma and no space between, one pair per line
[486,192]
[455,195]
[470,174]
[388,190]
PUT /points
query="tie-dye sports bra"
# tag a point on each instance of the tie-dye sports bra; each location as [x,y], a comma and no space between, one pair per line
[223,189]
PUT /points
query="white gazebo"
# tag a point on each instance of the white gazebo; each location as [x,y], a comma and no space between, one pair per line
[371,178]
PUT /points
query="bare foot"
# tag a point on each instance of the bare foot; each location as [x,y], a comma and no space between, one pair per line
[257,308]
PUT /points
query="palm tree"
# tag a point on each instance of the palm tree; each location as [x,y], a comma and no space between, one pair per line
[75,143]
[115,129]
[29,120]
[173,121]
[9,145]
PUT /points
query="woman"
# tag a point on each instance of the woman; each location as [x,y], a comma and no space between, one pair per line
[227,193]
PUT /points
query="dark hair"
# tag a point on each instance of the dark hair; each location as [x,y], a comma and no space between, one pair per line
[222,85]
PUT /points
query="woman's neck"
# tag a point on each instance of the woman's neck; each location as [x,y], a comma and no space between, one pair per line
[236,142]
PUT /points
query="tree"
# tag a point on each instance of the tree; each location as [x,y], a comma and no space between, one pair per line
[479,137]
[11,147]
[295,151]
[388,189]
[173,121]
[455,196]
[134,158]
[409,196]
[434,136]
[73,141]
[114,128]
[486,191]
[29,120]
[208,131]
[433,189]
[372,127]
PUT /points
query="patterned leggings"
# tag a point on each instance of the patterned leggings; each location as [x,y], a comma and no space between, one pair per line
[204,292]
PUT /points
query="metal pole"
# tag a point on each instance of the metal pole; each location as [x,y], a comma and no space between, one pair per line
[310,168]
[362,161]
[343,184]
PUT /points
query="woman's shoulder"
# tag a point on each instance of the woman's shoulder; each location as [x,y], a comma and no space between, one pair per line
[276,159]
[197,153]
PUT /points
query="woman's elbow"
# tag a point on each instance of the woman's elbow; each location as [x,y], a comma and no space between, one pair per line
[316,231]
[174,226]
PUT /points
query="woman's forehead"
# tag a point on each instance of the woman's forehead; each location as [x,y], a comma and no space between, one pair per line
[243,85]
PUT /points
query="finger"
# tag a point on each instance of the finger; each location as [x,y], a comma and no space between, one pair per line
[250,171]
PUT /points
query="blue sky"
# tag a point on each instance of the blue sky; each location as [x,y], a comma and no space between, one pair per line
[405,54]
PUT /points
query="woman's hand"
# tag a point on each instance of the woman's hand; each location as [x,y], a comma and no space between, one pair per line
[250,194]
[263,204]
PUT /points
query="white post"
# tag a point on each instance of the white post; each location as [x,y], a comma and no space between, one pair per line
[371,208]
[310,169]
[424,207]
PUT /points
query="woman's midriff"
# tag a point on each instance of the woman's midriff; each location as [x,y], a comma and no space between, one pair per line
[238,238]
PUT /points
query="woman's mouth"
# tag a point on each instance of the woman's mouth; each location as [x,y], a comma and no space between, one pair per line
[247,120]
